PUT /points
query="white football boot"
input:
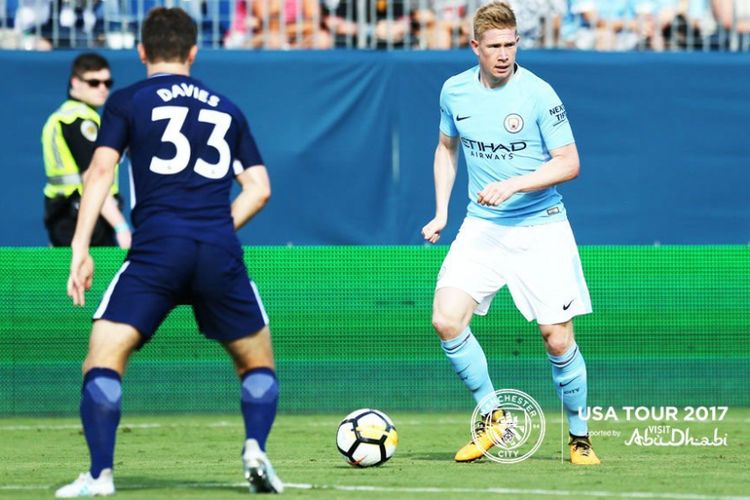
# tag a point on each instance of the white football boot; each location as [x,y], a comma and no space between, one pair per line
[87,486]
[258,470]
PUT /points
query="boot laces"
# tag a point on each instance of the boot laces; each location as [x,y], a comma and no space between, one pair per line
[582,446]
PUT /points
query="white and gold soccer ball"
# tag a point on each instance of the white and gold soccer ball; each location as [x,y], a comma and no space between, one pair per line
[366,438]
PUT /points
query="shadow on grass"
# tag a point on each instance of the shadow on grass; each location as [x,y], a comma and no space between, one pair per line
[442,457]
[143,484]
[447,458]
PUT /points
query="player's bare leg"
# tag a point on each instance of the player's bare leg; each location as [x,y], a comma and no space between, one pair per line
[110,347]
[452,312]
[253,359]
[569,376]
[452,309]
[253,351]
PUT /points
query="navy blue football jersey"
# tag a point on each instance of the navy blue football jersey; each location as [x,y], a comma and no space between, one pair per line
[186,143]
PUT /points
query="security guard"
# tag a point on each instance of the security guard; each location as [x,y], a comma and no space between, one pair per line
[68,141]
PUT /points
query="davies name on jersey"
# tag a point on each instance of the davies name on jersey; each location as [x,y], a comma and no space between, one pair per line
[188,90]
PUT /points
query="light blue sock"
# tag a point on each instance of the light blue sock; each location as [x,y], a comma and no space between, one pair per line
[569,376]
[470,363]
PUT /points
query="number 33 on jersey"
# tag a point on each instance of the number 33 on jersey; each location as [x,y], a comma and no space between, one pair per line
[183,140]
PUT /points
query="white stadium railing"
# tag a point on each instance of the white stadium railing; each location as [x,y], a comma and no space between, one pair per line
[379,24]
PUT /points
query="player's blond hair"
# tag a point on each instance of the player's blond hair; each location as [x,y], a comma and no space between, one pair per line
[494,15]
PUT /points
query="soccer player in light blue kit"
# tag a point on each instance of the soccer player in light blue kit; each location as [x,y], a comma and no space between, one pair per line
[518,146]
[187,144]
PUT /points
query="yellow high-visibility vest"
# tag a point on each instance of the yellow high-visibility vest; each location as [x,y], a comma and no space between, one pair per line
[63,173]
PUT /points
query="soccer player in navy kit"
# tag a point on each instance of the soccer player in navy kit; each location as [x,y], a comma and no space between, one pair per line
[186,143]
[518,146]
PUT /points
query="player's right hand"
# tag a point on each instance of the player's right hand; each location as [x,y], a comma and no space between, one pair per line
[81,277]
[431,231]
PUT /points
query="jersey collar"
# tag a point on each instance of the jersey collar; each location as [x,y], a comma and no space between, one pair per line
[517,72]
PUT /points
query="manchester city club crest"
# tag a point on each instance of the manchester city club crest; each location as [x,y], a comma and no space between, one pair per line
[518,433]
[513,123]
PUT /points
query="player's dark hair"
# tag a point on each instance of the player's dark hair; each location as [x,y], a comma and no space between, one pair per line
[86,62]
[168,35]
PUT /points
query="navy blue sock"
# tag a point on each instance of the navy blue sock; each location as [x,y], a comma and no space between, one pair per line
[260,395]
[100,414]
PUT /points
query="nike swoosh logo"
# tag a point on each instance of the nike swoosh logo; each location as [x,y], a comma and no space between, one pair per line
[459,118]
[566,383]
[565,308]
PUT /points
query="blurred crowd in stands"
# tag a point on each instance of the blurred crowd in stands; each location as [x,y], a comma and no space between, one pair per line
[608,25]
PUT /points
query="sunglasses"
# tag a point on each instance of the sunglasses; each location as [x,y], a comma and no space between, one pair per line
[95,82]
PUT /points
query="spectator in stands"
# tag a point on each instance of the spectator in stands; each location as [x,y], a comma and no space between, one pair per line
[121,19]
[692,27]
[119,24]
[278,24]
[79,23]
[383,24]
[42,24]
[532,17]
[442,25]
[699,13]
[653,19]
[733,15]
[341,19]
[606,24]
[572,26]
[29,19]
[68,141]
[392,23]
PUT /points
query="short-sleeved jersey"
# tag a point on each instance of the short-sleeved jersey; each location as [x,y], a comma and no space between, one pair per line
[186,143]
[506,132]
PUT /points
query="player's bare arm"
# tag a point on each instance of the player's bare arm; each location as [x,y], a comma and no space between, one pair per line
[114,217]
[563,166]
[96,186]
[445,166]
[256,190]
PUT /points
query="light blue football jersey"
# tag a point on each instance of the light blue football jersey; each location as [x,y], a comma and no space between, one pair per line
[505,132]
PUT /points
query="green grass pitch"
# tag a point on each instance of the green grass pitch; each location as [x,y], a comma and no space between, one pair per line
[198,457]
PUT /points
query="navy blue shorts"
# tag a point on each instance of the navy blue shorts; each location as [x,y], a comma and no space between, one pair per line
[159,275]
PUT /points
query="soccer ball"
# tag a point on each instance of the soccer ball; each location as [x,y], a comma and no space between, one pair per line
[366,437]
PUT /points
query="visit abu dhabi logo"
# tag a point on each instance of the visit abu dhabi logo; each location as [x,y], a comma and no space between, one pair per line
[669,426]
[517,433]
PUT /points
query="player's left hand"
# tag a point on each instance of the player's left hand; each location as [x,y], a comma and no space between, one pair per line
[496,193]
[124,238]
[81,277]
